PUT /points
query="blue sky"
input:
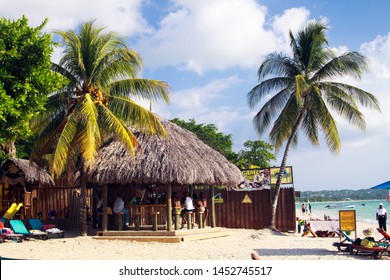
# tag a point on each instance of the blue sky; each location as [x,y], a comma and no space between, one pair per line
[209,51]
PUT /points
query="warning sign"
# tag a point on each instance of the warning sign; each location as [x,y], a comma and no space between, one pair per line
[246,199]
[347,220]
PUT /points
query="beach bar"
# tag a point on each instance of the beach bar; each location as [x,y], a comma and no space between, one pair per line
[175,163]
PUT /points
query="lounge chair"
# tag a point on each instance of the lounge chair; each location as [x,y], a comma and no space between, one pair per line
[386,236]
[346,243]
[19,228]
[5,234]
[376,252]
[36,224]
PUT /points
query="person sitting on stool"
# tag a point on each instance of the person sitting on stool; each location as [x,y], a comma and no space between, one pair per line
[188,206]
[119,206]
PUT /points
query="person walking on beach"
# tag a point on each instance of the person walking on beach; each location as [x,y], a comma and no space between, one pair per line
[381,216]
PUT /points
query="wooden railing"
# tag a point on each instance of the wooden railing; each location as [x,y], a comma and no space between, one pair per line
[146,213]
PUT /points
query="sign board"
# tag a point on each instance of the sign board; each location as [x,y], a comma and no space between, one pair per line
[347,220]
[258,179]
[218,198]
[246,199]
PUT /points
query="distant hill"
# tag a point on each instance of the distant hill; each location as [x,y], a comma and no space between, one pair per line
[340,195]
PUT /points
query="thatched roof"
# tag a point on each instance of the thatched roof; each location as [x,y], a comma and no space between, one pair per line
[181,158]
[30,171]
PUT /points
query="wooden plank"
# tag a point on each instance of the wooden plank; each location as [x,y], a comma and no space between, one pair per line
[162,239]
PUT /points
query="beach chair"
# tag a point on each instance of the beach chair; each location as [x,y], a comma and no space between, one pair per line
[369,246]
[6,234]
[386,236]
[19,228]
[346,243]
[376,252]
[51,230]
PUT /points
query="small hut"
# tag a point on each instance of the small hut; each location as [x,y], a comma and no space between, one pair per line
[19,181]
[179,160]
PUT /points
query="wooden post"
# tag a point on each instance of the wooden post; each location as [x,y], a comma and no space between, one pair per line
[104,218]
[169,207]
[155,220]
[177,219]
[201,219]
[189,219]
[213,223]
[137,222]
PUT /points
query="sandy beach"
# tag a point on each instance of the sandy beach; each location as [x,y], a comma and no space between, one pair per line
[238,246]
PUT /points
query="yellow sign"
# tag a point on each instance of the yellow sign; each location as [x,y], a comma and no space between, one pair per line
[218,200]
[347,220]
[287,177]
[246,199]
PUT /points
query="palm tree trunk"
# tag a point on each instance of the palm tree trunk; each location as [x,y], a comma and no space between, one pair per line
[275,196]
[83,205]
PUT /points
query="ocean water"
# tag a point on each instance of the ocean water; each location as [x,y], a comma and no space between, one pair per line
[365,209]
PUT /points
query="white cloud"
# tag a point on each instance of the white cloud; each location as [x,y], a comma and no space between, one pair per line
[203,35]
[292,19]
[201,103]
[123,16]
[378,52]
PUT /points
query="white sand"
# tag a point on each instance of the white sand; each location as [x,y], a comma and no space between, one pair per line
[238,246]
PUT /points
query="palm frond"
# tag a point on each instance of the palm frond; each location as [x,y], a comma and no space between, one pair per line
[64,144]
[350,63]
[89,134]
[48,132]
[118,130]
[279,65]
[270,109]
[265,88]
[344,105]
[134,115]
[285,122]
[141,88]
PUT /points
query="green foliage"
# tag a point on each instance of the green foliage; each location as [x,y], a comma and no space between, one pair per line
[25,76]
[258,153]
[209,134]
[254,153]
[342,195]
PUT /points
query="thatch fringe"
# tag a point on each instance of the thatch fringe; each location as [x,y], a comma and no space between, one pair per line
[181,159]
[32,173]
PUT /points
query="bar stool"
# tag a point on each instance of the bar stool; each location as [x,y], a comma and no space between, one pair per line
[155,217]
[137,222]
[119,218]
[189,219]
[177,217]
[200,217]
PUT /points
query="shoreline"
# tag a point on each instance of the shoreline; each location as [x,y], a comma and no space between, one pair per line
[238,246]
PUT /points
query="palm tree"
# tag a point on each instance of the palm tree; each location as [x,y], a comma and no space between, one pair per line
[303,93]
[95,104]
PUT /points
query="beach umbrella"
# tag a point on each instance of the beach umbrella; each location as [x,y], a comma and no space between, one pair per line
[385,185]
